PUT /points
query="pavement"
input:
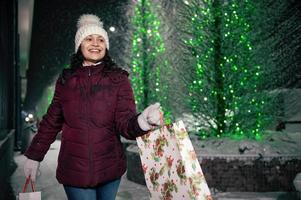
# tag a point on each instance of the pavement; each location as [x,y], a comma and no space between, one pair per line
[52,190]
[128,190]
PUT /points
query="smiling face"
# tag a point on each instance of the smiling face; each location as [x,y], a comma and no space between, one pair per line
[93,48]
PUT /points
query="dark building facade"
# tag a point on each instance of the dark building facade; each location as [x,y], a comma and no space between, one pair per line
[8,93]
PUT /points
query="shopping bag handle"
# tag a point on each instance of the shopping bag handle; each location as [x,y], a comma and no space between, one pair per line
[31,183]
[156,127]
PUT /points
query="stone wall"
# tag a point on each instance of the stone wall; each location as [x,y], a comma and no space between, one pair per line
[251,174]
[235,173]
[134,170]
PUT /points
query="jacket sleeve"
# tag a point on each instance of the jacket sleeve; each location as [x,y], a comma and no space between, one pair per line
[49,127]
[126,115]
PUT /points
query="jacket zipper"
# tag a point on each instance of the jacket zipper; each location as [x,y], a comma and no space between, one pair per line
[89,139]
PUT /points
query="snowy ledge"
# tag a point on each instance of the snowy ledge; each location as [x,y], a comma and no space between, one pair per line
[274,144]
[239,165]
[249,156]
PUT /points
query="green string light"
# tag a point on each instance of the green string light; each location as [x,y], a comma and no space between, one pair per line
[147,49]
[236,84]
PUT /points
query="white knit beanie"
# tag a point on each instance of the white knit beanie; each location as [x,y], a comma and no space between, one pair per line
[89,24]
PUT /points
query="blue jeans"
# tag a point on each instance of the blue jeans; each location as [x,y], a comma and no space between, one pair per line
[105,191]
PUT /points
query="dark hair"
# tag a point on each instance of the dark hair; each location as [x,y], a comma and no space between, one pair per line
[78,58]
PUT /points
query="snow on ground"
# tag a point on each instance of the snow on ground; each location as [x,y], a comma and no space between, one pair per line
[274,143]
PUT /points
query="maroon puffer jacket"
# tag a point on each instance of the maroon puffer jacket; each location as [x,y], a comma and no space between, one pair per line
[92,108]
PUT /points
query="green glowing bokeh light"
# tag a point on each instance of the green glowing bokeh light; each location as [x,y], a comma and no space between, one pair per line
[147,46]
[239,74]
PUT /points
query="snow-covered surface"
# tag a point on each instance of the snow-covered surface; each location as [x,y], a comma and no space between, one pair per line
[255,196]
[273,143]
[297,182]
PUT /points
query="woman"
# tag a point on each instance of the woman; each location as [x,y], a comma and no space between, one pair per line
[93,105]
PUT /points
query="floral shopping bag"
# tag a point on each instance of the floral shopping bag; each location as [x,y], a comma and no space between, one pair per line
[170,165]
[29,195]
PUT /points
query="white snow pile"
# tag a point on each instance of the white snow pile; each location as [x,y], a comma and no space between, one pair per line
[274,143]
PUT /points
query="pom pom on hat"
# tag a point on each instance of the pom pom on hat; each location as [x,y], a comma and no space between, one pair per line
[89,24]
[89,19]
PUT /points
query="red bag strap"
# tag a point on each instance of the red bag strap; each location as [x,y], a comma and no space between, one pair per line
[26,184]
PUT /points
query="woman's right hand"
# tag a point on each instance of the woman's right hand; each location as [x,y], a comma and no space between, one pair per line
[31,168]
[151,117]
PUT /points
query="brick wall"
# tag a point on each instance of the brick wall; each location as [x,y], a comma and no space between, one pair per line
[235,173]
[251,174]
